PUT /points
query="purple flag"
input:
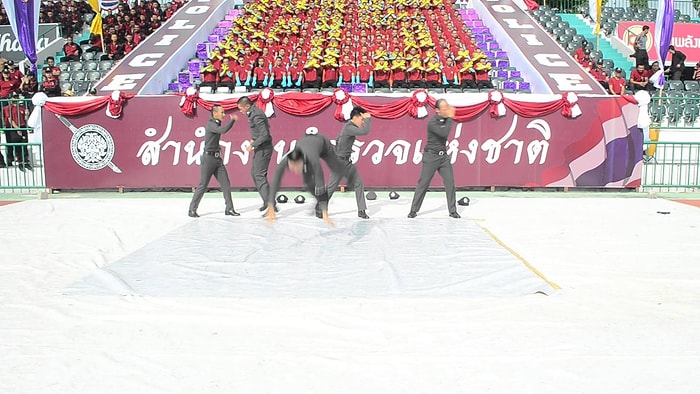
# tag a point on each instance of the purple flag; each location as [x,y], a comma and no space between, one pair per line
[663,33]
[24,21]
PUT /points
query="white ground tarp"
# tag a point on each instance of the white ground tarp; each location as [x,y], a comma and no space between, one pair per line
[124,295]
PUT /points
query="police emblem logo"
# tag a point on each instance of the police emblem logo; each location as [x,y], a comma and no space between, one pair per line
[91,146]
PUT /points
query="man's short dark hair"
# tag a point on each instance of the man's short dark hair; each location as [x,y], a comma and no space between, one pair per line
[671,48]
[438,102]
[245,100]
[215,108]
[645,27]
[357,111]
[49,58]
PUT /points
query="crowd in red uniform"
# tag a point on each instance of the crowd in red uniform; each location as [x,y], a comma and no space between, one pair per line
[324,43]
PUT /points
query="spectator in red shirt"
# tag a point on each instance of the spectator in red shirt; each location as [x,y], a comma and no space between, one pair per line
[226,74]
[244,74]
[15,73]
[450,74]
[364,72]
[50,74]
[72,50]
[15,117]
[295,74]
[580,53]
[329,76]
[29,86]
[346,71]
[600,75]
[617,83]
[261,73]
[7,84]
[210,75]
[639,79]
[115,50]
[277,75]
[129,44]
[311,78]
[95,43]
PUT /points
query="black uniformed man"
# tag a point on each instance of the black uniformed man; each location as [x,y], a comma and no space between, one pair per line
[435,158]
[358,124]
[212,163]
[305,159]
[260,144]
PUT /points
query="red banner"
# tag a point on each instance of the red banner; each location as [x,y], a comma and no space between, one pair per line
[685,38]
[154,144]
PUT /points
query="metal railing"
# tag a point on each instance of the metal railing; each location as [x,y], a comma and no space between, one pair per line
[671,165]
[22,168]
[675,109]
[21,162]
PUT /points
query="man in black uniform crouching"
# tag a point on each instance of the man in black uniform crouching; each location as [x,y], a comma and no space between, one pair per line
[435,158]
[305,159]
[212,163]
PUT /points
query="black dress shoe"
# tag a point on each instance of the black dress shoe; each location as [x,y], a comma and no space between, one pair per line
[412,214]
[192,214]
[319,214]
[263,208]
[362,214]
[232,212]
[455,215]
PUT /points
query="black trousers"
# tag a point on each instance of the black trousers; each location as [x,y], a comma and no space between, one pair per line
[642,57]
[381,84]
[353,176]
[209,166]
[258,171]
[20,154]
[433,162]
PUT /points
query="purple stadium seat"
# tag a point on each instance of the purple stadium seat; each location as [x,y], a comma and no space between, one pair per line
[502,74]
[493,45]
[463,13]
[523,85]
[503,63]
[509,85]
[226,24]
[488,37]
[213,38]
[469,23]
[478,37]
[514,74]
[471,11]
[490,54]
[502,55]
[478,23]
[230,17]
[479,30]
[484,46]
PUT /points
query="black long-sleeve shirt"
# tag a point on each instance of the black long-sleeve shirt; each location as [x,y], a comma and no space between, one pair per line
[678,61]
[259,127]
[314,149]
[212,134]
[438,130]
[347,136]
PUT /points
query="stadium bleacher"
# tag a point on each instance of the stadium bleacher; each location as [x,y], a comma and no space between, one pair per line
[401,35]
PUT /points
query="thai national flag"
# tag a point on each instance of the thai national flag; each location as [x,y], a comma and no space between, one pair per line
[108,4]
